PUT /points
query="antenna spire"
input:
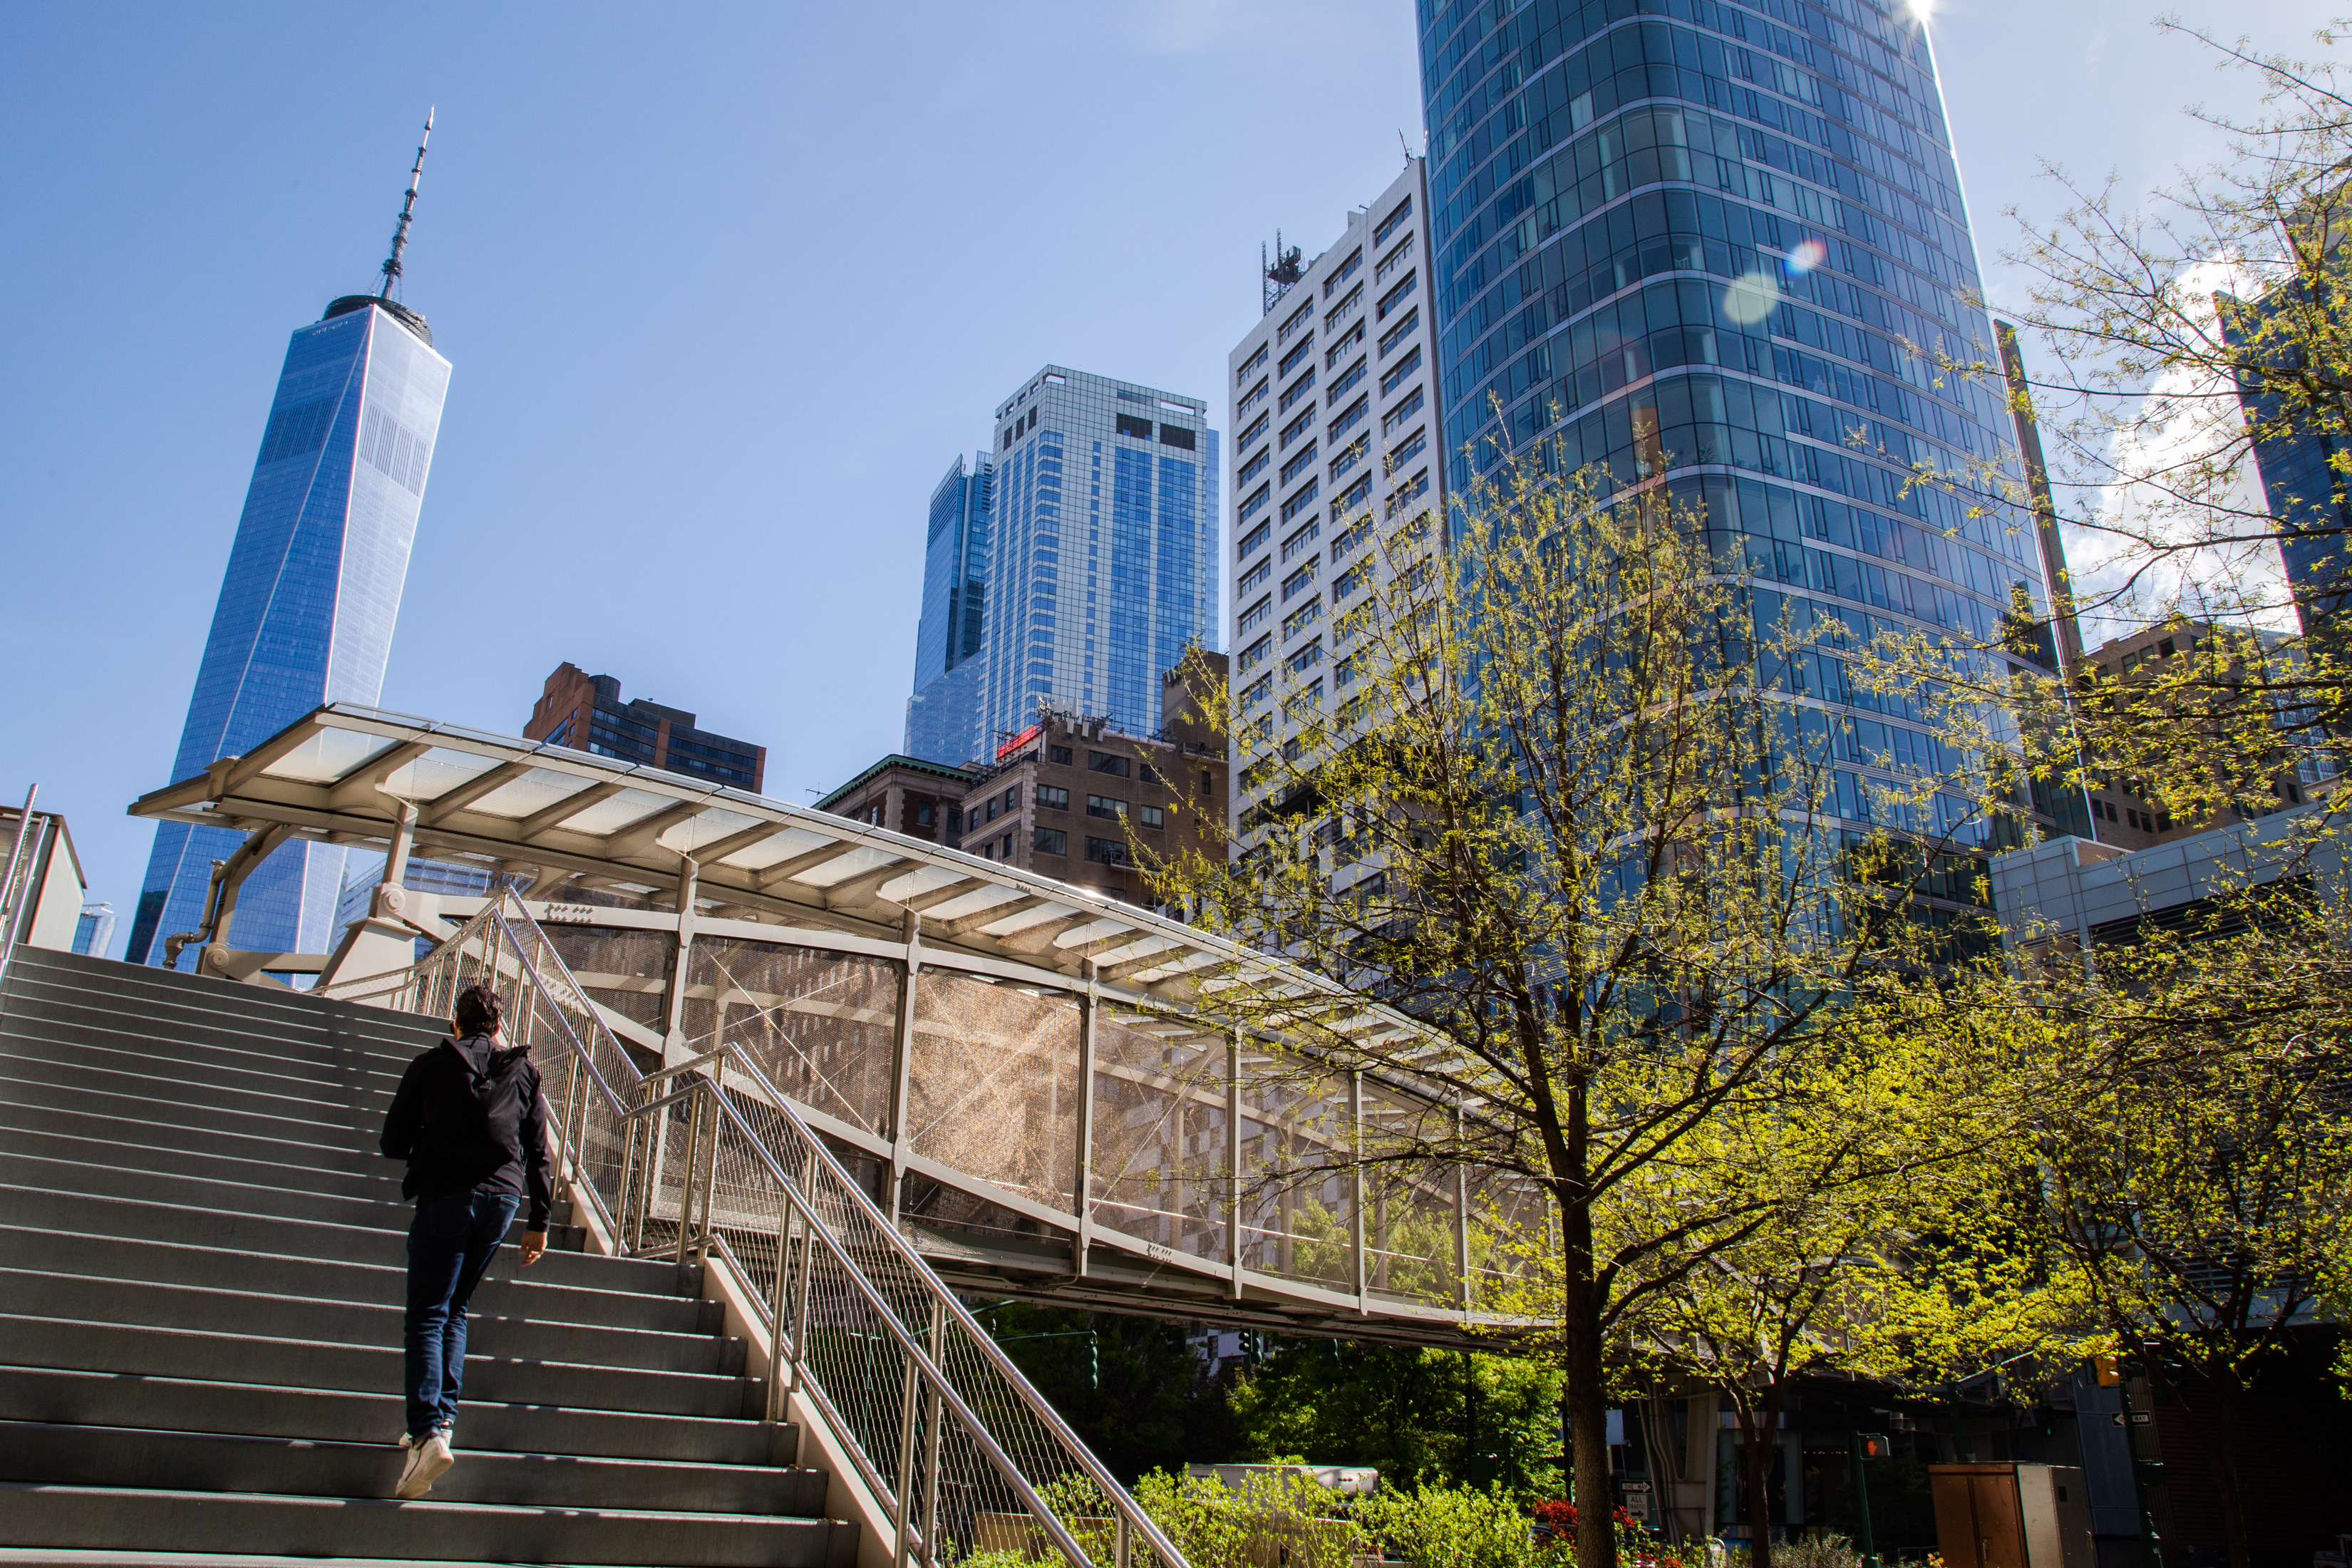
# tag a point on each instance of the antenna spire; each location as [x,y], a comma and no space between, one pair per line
[407,210]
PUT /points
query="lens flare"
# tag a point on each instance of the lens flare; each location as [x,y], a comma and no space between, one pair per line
[1750,298]
[1808,255]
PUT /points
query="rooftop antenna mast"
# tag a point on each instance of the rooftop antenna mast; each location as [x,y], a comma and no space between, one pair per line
[407,211]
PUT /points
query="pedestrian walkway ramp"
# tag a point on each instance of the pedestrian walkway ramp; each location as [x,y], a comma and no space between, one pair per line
[727,1356]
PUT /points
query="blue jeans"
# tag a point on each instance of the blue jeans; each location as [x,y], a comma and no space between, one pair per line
[451,1244]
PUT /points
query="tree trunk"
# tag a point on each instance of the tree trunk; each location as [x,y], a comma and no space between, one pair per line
[1588,1418]
[2219,1434]
[1759,1428]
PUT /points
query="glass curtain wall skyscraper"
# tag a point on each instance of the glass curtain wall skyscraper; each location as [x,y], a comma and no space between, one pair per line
[1101,553]
[1693,238]
[307,606]
[943,714]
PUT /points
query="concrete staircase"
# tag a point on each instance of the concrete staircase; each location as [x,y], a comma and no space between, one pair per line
[201,1271]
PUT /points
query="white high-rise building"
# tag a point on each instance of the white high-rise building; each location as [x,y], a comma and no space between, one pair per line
[1337,452]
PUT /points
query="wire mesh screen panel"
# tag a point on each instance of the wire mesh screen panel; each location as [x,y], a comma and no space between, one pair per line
[1502,1204]
[992,1083]
[623,969]
[1410,1236]
[1299,1206]
[1159,1156]
[819,1024]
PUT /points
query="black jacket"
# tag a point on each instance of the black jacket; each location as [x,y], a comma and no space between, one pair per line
[468,1115]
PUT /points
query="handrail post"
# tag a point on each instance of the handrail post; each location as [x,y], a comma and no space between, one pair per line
[931,1444]
[778,1299]
[685,1171]
[708,1230]
[903,1493]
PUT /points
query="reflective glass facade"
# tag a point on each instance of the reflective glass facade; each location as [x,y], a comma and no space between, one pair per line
[943,714]
[1693,239]
[2304,490]
[305,608]
[1102,557]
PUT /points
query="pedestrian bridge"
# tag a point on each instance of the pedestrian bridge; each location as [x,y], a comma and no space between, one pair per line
[1035,1081]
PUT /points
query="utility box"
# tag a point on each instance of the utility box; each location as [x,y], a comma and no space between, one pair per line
[2011,1516]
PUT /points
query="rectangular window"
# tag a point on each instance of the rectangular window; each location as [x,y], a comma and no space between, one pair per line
[1297,427]
[1257,615]
[1355,298]
[1255,504]
[1297,319]
[1129,425]
[1105,805]
[1347,582]
[1305,658]
[1255,537]
[1344,270]
[1298,389]
[1398,371]
[1053,797]
[1340,387]
[1258,394]
[1150,816]
[1257,653]
[1051,841]
[1106,762]
[1256,692]
[1344,672]
[1353,495]
[1398,295]
[1144,774]
[1299,464]
[1303,539]
[1291,361]
[1348,340]
[1256,429]
[1353,416]
[1253,467]
[1397,334]
[1059,754]
[1301,501]
[1012,799]
[1393,260]
[1401,413]
[1108,851]
[1250,365]
[1178,437]
[1389,223]
[1351,457]
[993,806]
[1346,543]
[1412,490]
[1406,450]
[1254,579]
[1299,581]
[1298,620]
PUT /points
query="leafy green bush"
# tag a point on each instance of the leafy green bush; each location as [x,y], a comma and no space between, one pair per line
[1453,1527]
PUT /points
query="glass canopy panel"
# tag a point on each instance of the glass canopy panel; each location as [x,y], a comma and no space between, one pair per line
[789,842]
[435,774]
[609,816]
[1409,1211]
[532,793]
[993,1084]
[1298,1192]
[856,863]
[708,828]
[980,900]
[327,757]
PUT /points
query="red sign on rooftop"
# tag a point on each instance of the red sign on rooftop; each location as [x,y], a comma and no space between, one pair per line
[1019,740]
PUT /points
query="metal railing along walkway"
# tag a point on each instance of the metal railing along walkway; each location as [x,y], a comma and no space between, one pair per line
[704,1158]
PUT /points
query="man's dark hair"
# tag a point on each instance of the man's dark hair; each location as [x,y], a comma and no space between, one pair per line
[477,1011]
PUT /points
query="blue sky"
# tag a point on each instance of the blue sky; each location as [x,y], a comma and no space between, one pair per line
[725,288]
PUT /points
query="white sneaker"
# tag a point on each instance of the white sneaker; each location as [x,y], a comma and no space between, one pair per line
[426,1462]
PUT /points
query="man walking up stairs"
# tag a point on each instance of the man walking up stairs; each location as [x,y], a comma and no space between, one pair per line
[202,1264]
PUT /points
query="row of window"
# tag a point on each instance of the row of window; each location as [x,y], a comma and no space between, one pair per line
[1394,259]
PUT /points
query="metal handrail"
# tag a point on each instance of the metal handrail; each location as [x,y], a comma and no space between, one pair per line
[642,1109]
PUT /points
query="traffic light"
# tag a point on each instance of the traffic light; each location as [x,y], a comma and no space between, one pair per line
[2109,1374]
[2047,1418]
[1094,1363]
[1872,1445]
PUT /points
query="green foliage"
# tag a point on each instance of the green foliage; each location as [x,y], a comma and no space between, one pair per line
[1286,1519]
[1453,1527]
[1415,1414]
[1150,1404]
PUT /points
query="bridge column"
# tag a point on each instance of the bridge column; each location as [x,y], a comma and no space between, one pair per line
[674,1011]
[1234,1159]
[1461,1216]
[1082,1181]
[1356,1112]
[902,1055]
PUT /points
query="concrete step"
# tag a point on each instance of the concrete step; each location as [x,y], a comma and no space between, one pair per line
[345,1416]
[123,1119]
[379,1180]
[68,1345]
[625,1298]
[297,1026]
[341,1105]
[36,1209]
[55,1024]
[389,1211]
[83,1298]
[104,1518]
[208,1461]
[297,1014]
